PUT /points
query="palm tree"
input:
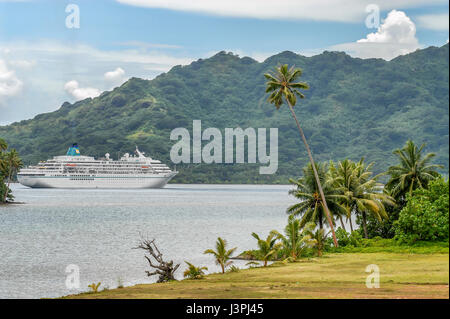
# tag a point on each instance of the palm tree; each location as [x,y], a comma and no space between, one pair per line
[3,145]
[193,272]
[414,170]
[11,163]
[283,87]
[311,206]
[319,238]
[267,247]
[365,195]
[342,176]
[294,241]
[221,254]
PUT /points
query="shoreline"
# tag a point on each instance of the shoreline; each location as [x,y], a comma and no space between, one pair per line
[12,203]
[281,281]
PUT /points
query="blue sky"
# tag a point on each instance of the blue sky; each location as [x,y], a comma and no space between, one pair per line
[43,63]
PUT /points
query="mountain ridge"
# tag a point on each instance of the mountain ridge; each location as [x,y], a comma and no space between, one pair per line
[355,107]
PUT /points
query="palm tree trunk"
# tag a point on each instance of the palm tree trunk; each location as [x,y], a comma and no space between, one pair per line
[223,268]
[327,212]
[364,224]
[411,187]
[351,224]
[342,222]
[7,186]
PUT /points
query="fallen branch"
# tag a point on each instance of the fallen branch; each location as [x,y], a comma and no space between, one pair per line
[164,269]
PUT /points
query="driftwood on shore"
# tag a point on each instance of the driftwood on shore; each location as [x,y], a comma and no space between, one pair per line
[165,269]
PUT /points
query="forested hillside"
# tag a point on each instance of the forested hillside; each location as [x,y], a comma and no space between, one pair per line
[354,108]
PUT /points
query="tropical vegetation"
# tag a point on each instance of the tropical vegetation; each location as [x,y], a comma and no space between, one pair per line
[194,272]
[311,205]
[414,170]
[362,192]
[267,247]
[354,193]
[10,163]
[282,86]
[295,240]
[426,214]
[340,275]
[221,255]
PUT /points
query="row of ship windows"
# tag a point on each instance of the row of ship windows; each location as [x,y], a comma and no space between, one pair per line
[106,171]
[109,167]
[110,179]
[101,164]
[106,168]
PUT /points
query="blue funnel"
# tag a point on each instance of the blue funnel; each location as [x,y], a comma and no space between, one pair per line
[73,150]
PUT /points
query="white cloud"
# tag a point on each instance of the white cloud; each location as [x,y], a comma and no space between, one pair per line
[395,36]
[115,75]
[44,67]
[83,54]
[73,88]
[437,22]
[10,85]
[327,10]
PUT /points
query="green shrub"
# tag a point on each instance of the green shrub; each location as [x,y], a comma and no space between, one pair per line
[425,216]
[94,286]
[356,239]
[391,245]
[344,239]
[193,272]
[233,268]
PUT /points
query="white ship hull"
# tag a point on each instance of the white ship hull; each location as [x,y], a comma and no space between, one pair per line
[74,170]
[117,182]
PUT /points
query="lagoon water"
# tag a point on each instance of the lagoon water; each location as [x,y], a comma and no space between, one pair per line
[97,229]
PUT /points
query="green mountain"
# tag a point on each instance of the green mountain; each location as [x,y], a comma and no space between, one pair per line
[354,107]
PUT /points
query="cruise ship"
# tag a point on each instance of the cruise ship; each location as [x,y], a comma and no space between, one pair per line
[74,170]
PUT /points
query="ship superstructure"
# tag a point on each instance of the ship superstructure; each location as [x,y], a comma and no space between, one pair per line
[74,170]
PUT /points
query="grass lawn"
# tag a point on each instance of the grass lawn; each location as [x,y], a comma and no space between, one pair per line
[340,275]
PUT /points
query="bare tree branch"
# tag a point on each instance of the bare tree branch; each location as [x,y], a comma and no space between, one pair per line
[164,269]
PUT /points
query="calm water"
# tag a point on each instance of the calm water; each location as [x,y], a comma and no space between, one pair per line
[96,230]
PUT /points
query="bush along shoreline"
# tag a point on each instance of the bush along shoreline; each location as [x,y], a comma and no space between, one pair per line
[10,164]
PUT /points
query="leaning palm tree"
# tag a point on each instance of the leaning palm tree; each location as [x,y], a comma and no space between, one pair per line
[311,207]
[221,254]
[294,241]
[283,87]
[267,247]
[11,164]
[414,170]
